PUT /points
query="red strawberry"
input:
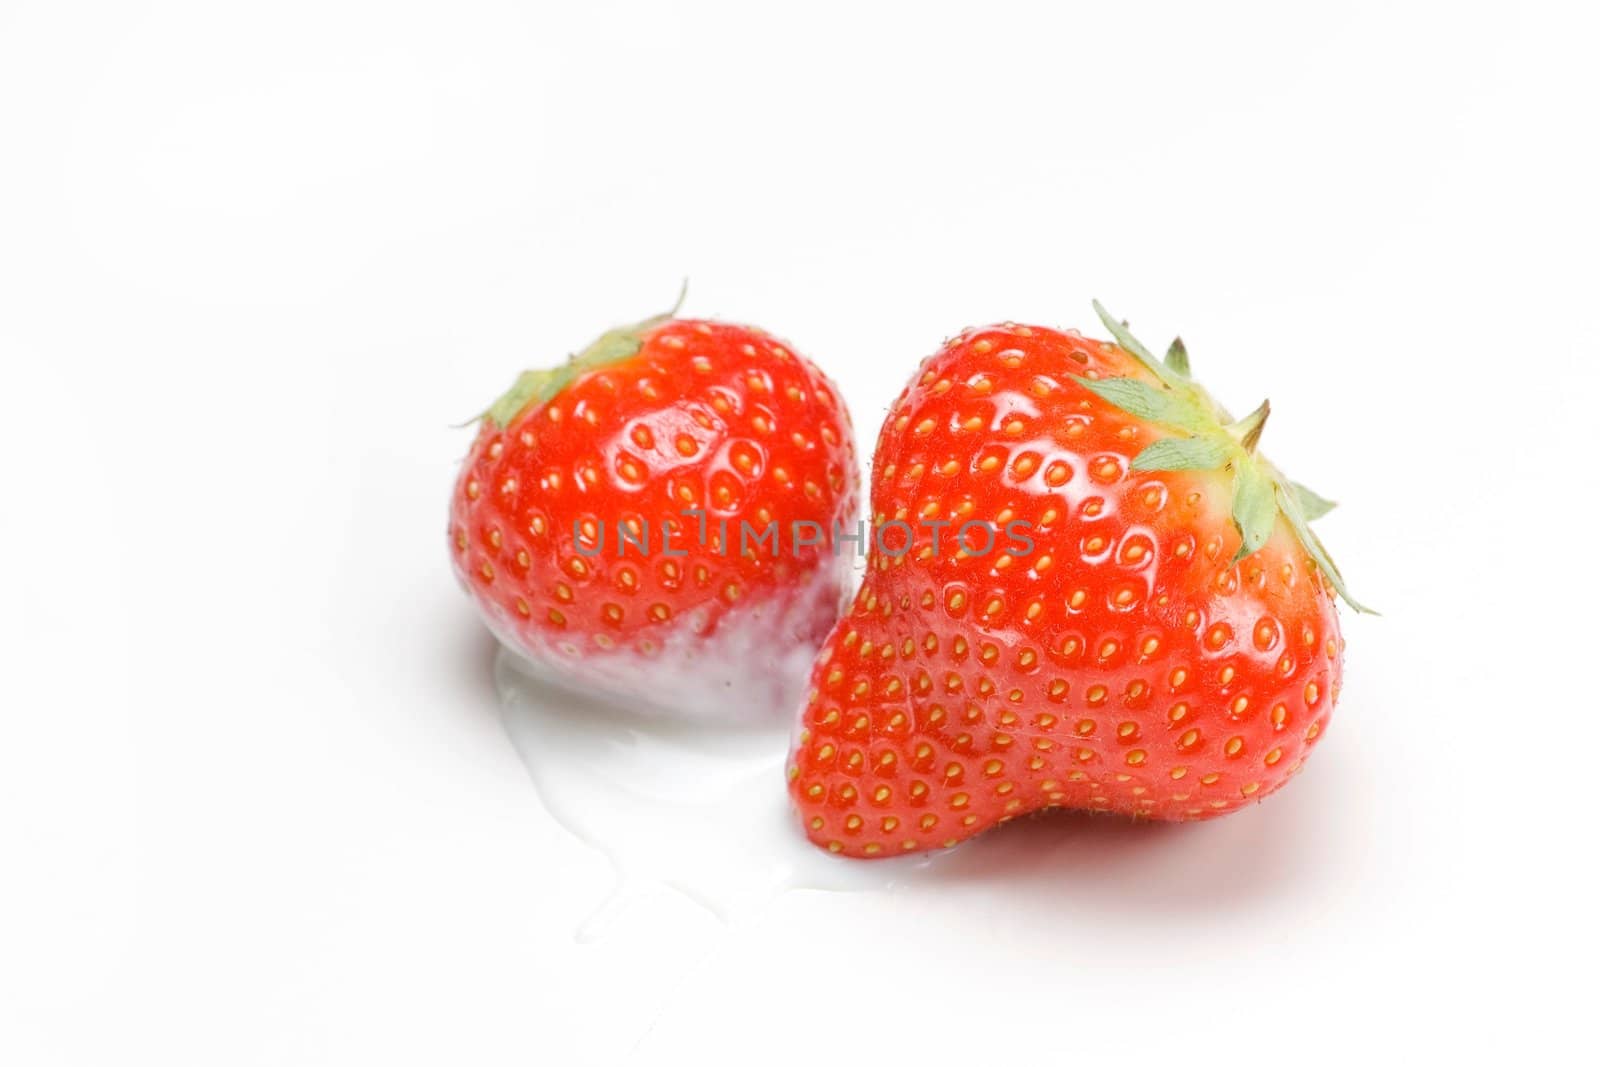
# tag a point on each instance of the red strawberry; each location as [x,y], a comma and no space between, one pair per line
[574,521]
[1152,631]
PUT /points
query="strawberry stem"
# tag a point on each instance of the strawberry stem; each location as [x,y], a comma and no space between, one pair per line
[1248,429]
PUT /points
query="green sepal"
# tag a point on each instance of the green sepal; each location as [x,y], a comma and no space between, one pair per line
[1131,343]
[1177,357]
[1315,549]
[1312,505]
[1200,453]
[1154,403]
[539,386]
[1255,510]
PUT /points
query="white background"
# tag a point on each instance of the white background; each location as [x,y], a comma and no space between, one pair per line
[256,803]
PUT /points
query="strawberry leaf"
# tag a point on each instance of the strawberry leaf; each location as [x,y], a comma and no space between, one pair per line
[1153,403]
[1255,511]
[1312,505]
[1213,440]
[538,386]
[1178,357]
[1314,548]
[1200,453]
[1131,343]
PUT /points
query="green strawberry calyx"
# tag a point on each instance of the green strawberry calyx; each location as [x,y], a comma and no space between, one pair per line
[535,387]
[1207,438]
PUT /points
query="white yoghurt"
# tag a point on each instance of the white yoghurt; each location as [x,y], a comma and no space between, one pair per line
[751,668]
[700,808]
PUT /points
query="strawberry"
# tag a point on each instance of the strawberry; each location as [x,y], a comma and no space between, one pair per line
[1136,619]
[625,522]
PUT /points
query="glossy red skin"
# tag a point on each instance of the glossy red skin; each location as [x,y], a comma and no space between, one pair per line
[706,415]
[1125,665]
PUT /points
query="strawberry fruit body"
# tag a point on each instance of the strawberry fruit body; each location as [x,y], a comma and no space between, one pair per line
[1138,619]
[625,522]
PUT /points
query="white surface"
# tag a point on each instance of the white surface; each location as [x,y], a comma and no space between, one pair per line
[256,801]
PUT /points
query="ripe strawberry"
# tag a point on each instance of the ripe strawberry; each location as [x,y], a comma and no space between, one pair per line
[597,519]
[1151,632]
